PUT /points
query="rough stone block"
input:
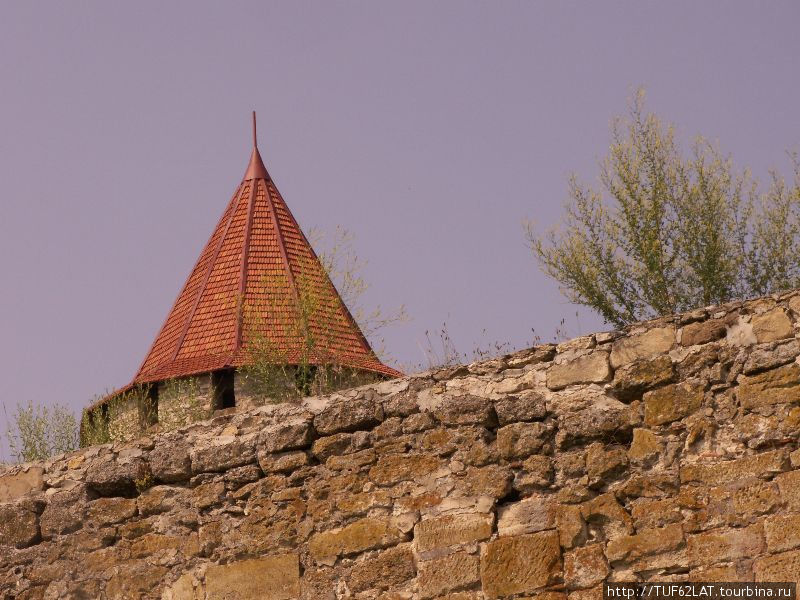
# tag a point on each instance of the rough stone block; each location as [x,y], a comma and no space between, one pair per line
[703,332]
[282,462]
[185,588]
[777,386]
[767,357]
[465,410]
[153,543]
[726,472]
[595,593]
[19,526]
[520,440]
[740,572]
[772,325]
[365,534]
[756,499]
[112,477]
[589,368]
[348,415]
[526,516]
[351,462]
[271,578]
[605,464]
[536,473]
[453,596]
[452,530]
[584,342]
[606,508]
[645,445]
[632,380]
[388,430]
[585,567]
[526,406]
[607,415]
[789,486]
[571,526]
[384,570]
[332,445]
[648,541]
[64,512]
[643,345]
[447,574]
[294,434]
[208,494]
[108,511]
[170,462]
[356,504]
[671,403]
[649,513]
[160,499]
[134,579]
[418,422]
[16,485]
[491,480]
[782,532]
[521,564]
[721,545]
[223,453]
[393,468]
[778,567]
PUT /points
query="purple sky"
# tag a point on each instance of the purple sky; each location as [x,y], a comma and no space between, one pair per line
[430,130]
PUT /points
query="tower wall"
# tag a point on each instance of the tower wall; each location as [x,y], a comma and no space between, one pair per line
[184,400]
[124,418]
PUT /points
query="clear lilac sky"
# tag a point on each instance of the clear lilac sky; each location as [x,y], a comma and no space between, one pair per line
[428,129]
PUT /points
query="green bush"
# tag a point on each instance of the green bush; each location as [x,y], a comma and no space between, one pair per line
[37,432]
[670,231]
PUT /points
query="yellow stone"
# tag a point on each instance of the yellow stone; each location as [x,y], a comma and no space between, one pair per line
[271,578]
[364,534]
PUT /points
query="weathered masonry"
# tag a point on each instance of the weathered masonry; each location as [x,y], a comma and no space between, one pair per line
[668,452]
[258,293]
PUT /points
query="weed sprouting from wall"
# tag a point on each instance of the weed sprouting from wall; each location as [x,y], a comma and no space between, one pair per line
[181,401]
[440,351]
[94,427]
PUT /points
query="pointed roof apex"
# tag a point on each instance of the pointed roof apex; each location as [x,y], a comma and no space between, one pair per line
[256,168]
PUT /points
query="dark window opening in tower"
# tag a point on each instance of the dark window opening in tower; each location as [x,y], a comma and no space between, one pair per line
[150,406]
[305,375]
[222,385]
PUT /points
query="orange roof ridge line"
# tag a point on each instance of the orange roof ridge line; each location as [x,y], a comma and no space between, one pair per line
[211,264]
[245,255]
[281,240]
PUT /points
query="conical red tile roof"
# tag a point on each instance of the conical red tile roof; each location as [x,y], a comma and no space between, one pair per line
[249,287]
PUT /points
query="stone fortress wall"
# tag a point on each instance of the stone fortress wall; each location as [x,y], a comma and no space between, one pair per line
[667,453]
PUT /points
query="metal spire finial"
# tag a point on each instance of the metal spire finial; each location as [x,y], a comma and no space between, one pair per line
[256,168]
